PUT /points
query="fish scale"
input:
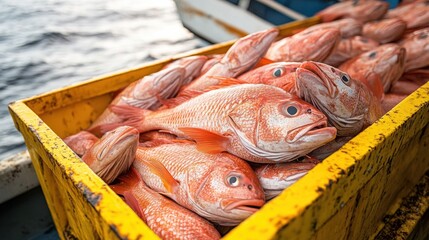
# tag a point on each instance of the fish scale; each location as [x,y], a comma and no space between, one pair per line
[165,217]
[199,180]
[221,120]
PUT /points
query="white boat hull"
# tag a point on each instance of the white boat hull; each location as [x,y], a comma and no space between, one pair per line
[218,21]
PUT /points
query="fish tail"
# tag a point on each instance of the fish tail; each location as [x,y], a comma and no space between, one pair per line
[127,182]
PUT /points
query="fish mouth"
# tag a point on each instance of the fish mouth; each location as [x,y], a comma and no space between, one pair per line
[316,70]
[248,205]
[307,130]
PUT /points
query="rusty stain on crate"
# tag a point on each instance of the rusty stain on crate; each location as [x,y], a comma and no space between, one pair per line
[91,197]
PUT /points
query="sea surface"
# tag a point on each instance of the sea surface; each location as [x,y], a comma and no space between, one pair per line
[49,44]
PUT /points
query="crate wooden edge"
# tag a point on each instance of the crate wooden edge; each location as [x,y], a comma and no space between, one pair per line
[62,161]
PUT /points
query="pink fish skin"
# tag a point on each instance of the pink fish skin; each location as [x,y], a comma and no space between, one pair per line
[311,45]
[363,11]
[417,48]
[348,27]
[385,63]
[155,135]
[193,66]
[404,87]
[211,61]
[329,148]
[349,48]
[145,93]
[256,122]
[416,15]
[417,76]
[113,154]
[165,217]
[279,74]
[274,178]
[385,30]
[240,57]
[390,100]
[406,2]
[219,187]
[81,142]
[347,103]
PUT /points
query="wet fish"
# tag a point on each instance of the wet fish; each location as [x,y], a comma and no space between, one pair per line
[348,27]
[156,135]
[416,15]
[279,74]
[274,178]
[110,155]
[385,64]
[240,57]
[417,48]
[385,30]
[349,48]
[81,142]
[144,93]
[406,2]
[329,148]
[219,187]
[347,103]
[418,76]
[363,11]
[193,66]
[165,217]
[404,87]
[314,45]
[390,100]
[256,122]
[211,61]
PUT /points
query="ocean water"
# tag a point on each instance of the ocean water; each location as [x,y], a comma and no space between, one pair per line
[49,44]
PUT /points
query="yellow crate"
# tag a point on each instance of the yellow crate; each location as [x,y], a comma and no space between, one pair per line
[345,197]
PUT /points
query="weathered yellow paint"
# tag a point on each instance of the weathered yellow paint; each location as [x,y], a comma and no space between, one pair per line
[374,169]
[82,205]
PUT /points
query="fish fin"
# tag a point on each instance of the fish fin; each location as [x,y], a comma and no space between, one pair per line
[159,170]
[207,141]
[126,181]
[130,115]
[262,62]
[132,201]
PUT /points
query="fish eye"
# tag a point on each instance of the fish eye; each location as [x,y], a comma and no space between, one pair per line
[233,180]
[345,79]
[292,110]
[372,54]
[278,72]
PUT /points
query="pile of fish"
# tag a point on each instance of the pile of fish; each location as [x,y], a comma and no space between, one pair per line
[202,144]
